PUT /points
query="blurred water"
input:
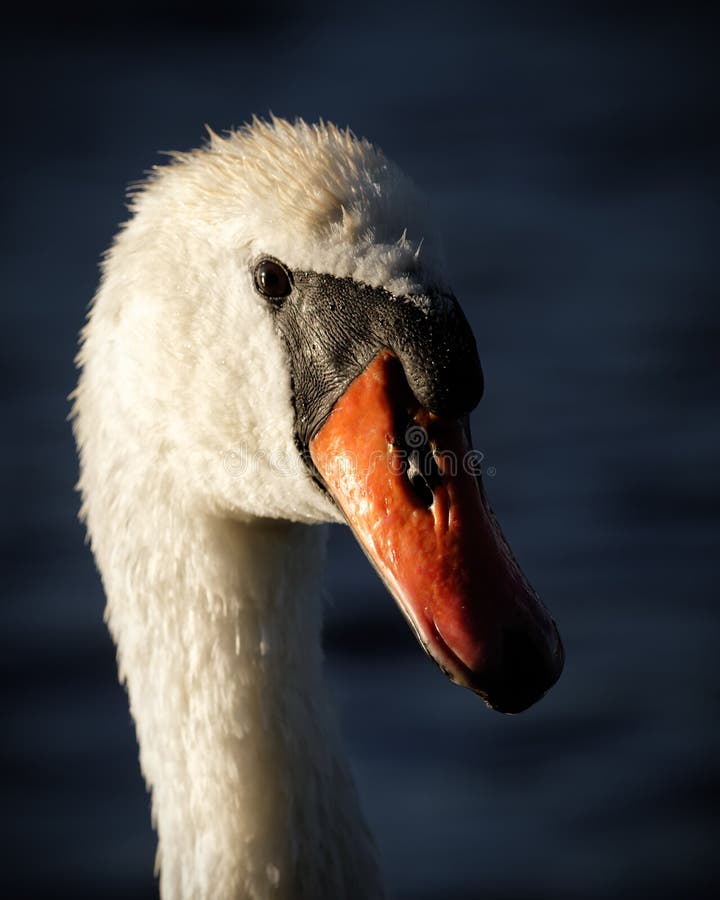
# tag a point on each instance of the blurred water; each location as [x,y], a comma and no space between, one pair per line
[567,156]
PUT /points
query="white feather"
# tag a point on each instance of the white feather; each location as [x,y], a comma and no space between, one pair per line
[192,490]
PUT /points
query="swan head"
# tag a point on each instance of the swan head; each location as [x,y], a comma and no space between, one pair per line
[274,331]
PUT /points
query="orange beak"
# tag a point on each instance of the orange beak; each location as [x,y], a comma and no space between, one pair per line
[408,485]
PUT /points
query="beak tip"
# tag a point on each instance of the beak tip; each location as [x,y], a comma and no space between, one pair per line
[527,672]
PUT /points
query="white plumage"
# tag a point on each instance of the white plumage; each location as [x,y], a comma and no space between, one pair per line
[197,503]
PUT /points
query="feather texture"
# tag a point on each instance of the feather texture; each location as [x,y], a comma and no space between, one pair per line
[197,503]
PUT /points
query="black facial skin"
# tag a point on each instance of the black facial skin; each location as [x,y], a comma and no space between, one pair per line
[334,327]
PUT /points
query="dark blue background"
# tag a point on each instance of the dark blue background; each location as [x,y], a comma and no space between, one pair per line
[567,150]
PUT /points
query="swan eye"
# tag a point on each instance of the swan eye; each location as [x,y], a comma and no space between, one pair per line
[272,280]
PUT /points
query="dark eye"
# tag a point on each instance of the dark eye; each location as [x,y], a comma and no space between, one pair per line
[271,279]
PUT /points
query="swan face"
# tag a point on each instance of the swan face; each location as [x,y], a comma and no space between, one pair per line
[183,342]
[271,333]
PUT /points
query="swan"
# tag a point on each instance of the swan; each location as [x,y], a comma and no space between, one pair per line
[274,345]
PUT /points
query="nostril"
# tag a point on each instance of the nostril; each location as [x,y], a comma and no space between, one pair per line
[421,467]
[526,672]
[419,482]
[421,488]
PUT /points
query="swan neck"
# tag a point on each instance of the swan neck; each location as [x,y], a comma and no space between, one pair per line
[218,634]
